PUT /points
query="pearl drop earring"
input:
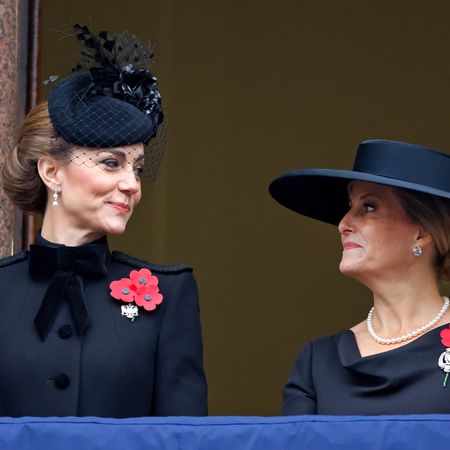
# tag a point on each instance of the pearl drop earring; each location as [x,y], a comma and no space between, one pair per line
[55,197]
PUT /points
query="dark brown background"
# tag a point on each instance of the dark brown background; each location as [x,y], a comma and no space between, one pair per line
[253,88]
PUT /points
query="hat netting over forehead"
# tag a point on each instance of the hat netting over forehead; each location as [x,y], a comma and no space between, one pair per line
[111,100]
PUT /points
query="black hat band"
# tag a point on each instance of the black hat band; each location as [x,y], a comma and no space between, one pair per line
[413,163]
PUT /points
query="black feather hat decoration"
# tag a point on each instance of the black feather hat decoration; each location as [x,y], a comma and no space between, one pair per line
[111,99]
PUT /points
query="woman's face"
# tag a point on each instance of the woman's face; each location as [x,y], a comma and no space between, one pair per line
[377,236]
[100,188]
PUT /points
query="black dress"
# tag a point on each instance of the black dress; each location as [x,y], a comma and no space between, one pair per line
[331,377]
[86,358]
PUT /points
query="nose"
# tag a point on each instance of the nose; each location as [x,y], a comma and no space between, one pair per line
[129,183]
[346,225]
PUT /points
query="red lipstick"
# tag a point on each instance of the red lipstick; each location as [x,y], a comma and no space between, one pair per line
[122,207]
[349,245]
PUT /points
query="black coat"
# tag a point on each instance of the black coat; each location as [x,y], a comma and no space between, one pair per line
[118,367]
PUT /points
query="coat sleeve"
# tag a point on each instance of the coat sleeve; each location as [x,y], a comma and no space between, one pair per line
[180,383]
[299,396]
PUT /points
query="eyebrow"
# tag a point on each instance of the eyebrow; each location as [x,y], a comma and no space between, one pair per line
[121,154]
[367,194]
[370,194]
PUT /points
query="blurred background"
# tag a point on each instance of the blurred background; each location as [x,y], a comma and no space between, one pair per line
[253,88]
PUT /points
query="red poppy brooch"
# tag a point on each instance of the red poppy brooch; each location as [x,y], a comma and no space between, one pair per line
[444,359]
[141,289]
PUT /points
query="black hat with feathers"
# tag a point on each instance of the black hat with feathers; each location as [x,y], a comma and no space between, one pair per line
[111,98]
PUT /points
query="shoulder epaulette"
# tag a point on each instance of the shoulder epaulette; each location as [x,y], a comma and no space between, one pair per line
[21,256]
[140,264]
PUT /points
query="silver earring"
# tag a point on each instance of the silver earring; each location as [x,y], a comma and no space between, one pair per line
[417,250]
[55,197]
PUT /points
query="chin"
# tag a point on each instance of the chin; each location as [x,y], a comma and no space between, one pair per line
[114,232]
[350,268]
[113,228]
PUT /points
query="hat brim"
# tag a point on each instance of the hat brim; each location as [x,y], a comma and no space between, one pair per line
[322,193]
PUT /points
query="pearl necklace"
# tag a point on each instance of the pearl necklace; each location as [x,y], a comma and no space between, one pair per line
[408,336]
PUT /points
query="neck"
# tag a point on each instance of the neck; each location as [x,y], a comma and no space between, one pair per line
[405,297]
[59,232]
[401,307]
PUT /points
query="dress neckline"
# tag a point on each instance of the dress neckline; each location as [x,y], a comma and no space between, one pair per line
[350,354]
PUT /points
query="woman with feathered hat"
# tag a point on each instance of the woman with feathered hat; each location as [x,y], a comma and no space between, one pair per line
[393,216]
[83,331]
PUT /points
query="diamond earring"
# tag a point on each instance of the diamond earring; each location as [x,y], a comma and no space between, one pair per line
[417,250]
[55,197]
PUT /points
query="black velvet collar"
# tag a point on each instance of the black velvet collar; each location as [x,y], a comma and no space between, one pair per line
[42,241]
[66,266]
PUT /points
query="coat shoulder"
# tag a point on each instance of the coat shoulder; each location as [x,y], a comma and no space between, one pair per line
[156,268]
[14,259]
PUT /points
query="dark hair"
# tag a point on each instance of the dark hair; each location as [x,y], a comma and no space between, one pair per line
[433,214]
[36,138]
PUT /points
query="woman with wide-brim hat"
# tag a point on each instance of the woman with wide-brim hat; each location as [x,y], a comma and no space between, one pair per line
[393,215]
[83,331]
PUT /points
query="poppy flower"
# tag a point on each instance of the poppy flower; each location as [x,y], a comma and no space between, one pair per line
[123,289]
[141,287]
[445,336]
[149,297]
[143,278]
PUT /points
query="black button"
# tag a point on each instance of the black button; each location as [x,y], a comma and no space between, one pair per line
[62,381]
[65,332]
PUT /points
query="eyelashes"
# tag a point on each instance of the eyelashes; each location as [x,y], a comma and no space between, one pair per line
[110,163]
[114,164]
[365,207]
[139,170]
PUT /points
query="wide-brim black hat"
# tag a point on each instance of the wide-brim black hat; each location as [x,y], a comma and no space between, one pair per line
[322,193]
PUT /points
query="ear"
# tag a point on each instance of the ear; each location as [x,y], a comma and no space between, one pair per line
[49,170]
[423,238]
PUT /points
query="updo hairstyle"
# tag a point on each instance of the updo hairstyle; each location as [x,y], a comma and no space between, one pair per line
[36,138]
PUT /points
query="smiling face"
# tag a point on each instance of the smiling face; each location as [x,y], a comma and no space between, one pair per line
[99,188]
[377,236]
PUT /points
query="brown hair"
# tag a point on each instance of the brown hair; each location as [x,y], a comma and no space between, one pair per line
[36,138]
[433,214]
